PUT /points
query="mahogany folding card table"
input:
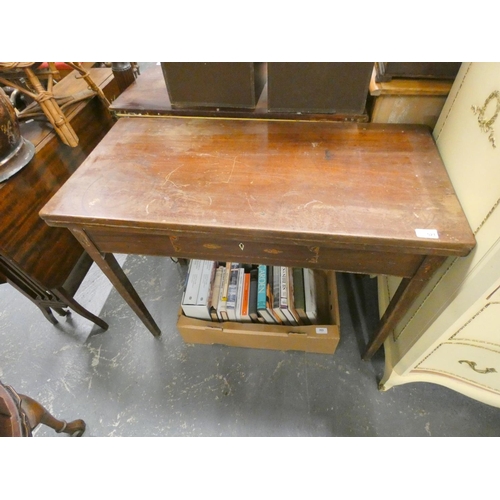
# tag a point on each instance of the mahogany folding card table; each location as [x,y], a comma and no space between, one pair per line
[351,197]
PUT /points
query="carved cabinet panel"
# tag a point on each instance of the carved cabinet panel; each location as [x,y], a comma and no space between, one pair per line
[451,336]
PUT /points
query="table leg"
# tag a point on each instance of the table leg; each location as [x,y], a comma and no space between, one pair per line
[110,267]
[407,292]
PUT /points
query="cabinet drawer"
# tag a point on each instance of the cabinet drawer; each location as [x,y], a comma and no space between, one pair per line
[484,326]
[474,364]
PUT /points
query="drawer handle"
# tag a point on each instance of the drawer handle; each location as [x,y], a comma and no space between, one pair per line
[472,364]
[242,247]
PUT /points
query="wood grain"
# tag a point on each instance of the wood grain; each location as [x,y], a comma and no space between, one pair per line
[340,185]
[48,254]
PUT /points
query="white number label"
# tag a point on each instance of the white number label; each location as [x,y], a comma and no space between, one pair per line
[427,233]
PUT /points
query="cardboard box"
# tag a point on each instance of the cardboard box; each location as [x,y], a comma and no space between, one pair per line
[320,338]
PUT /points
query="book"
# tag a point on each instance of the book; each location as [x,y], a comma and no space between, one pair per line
[291,301]
[262,304]
[269,296]
[207,276]
[310,296]
[285,295]
[239,294]
[221,307]
[245,302]
[252,302]
[276,294]
[193,279]
[215,293]
[232,291]
[298,294]
[200,309]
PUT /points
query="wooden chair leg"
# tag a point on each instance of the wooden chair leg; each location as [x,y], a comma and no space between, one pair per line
[73,304]
[37,414]
[48,314]
[23,288]
[61,311]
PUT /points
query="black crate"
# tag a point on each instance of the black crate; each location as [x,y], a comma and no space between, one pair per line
[319,87]
[214,84]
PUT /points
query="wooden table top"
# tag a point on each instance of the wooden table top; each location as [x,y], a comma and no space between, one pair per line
[148,96]
[351,185]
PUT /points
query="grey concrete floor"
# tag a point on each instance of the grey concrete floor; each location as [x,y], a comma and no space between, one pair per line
[125,382]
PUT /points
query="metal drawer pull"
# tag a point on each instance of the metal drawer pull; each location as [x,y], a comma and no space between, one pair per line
[472,364]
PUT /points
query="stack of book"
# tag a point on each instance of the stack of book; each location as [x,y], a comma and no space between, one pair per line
[232,291]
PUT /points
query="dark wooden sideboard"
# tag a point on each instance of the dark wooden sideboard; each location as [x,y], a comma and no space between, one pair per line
[148,96]
[47,264]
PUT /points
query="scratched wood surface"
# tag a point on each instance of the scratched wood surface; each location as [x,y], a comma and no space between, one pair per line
[45,253]
[364,187]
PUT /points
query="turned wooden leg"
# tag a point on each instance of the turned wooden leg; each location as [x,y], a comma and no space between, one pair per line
[37,414]
[71,302]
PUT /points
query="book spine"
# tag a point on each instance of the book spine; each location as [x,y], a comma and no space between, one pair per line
[232,291]
[275,318]
[298,294]
[221,309]
[207,276]
[261,287]
[239,295]
[215,294]
[252,305]
[310,295]
[284,299]
[262,296]
[291,303]
[276,293]
[193,281]
[245,303]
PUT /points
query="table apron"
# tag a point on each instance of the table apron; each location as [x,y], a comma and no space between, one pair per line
[253,251]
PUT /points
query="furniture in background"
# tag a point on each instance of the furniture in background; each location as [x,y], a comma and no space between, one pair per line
[27,77]
[148,95]
[450,336]
[125,73]
[388,71]
[407,100]
[319,87]
[214,84]
[47,264]
[20,415]
[354,197]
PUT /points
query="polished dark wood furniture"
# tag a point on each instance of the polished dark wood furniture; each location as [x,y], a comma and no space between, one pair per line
[47,264]
[148,96]
[20,415]
[386,71]
[342,196]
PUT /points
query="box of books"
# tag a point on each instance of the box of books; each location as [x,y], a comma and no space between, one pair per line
[303,317]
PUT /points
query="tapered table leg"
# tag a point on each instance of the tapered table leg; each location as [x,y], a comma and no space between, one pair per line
[406,293]
[112,270]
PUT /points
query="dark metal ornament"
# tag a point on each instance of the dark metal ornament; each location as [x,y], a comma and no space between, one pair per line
[15,150]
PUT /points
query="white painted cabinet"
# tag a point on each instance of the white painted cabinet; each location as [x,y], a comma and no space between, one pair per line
[451,335]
